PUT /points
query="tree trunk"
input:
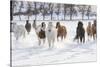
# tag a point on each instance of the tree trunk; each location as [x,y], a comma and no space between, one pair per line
[71,12]
[35,17]
[82,16]
[35,9]
[51,16]
[11,10]
[58,17]
[28,17]
[43,17]
[64,16]
[88,17]
[19,17]
[19,14]
[70,16]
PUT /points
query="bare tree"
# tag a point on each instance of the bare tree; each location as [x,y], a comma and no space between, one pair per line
[11,10]
[12,6]
[72,10]
[58,6]
[82,9]
[35,10]
[20,7]
[29,9]
[88,11]
[51,5]
[65,6]
[43,10]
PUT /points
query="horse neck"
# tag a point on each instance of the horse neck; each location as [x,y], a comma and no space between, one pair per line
[59,26]
[89,26]
[50,27]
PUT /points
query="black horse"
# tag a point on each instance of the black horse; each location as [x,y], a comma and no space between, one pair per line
[28,26]
[80,32]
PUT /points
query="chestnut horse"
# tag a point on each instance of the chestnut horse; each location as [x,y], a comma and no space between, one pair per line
[94,30]
[61,31]
[89,30]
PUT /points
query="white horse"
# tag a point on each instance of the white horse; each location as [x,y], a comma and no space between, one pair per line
[51,34]
[18,30]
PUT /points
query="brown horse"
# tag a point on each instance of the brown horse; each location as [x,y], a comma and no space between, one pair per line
[89,30]
[61,31]
[94,32]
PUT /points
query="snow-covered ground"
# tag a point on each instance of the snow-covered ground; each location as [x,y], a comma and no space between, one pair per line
[27,52]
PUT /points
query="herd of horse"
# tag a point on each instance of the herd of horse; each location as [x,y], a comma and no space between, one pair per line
[51,32]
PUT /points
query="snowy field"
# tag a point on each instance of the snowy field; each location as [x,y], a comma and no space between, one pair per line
[27,52]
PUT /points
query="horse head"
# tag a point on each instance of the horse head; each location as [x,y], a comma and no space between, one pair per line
[57,24]
[50,25]
[43,24]
[80,24]
[89,23]
[94,22]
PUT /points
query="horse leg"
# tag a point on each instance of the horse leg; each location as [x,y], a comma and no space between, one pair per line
[53,42]
[61,38]
[64,36]
[88,37]
[39,41]
[24,34]
[28,33]
[57,38]
[49,41]
[96,36]
[43,41]
[93,37]
[83,39]
[17,38]
[80,39]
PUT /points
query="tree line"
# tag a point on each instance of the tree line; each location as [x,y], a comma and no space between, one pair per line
[28,8]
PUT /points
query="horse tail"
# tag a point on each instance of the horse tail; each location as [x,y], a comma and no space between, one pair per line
[65,31]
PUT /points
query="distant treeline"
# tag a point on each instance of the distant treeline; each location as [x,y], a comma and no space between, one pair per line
[29,8]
